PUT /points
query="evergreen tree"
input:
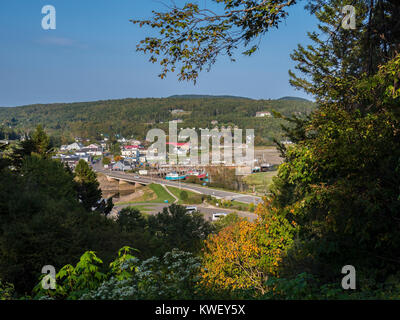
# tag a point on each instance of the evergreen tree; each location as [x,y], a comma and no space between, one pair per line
[41,141]
[89,192]
[38,144]
[339,53]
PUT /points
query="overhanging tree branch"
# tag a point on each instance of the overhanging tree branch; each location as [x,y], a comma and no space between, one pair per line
[191,38]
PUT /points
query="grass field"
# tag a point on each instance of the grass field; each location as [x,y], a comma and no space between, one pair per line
[153,193]
[193,197]
[161,193]
[260,180]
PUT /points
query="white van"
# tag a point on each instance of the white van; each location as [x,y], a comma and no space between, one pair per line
[191,209]
[218,215]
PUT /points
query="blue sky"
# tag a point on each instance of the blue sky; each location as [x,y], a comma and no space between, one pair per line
[91,55]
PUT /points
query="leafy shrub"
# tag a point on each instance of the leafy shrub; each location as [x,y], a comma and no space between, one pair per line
[6,291]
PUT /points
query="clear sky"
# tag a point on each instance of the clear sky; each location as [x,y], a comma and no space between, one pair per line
[91,55]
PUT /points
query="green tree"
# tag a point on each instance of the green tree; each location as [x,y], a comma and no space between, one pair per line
[41,141]
[341,183]
[44,224]
[106,160]
[337,52]
[191,38]
[174,228]
[89,192]
[35,222]
[38,144]
[131,219]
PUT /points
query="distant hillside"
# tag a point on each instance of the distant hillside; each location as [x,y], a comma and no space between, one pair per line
[294,99]
[200,96]
[134,117]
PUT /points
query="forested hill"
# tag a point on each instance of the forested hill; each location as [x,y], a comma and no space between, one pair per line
[134,117]
[293,98]
[200,96]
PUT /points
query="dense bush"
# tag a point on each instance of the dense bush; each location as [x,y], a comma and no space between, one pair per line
[174,276]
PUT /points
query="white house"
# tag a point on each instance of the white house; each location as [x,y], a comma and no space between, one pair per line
[93,146]
[93,150]
[72,146]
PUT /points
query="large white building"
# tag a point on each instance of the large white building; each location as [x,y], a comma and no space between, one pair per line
[72,146]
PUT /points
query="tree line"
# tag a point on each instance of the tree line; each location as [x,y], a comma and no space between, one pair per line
[134,117]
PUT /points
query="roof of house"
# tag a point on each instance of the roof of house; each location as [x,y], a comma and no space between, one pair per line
[121,164]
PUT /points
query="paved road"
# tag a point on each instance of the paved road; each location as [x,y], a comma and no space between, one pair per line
[154,208]
[191,187]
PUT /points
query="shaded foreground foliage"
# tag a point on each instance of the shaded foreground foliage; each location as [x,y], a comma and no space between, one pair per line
[49,215]
[335,201]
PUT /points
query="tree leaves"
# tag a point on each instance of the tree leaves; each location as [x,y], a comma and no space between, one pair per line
[191,38]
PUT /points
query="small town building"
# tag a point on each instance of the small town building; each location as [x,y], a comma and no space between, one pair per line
[72,146]
[262,114]
[121,166]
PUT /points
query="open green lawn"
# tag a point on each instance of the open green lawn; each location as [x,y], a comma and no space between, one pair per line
[161,193]
[193,197]
[148,197]
[260,180]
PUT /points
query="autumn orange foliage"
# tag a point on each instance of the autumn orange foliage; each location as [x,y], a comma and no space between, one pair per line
[245,254]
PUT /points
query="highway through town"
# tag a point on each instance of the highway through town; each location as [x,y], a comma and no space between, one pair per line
[222,194]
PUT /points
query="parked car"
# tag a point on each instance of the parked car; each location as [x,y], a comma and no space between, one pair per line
[218,215]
